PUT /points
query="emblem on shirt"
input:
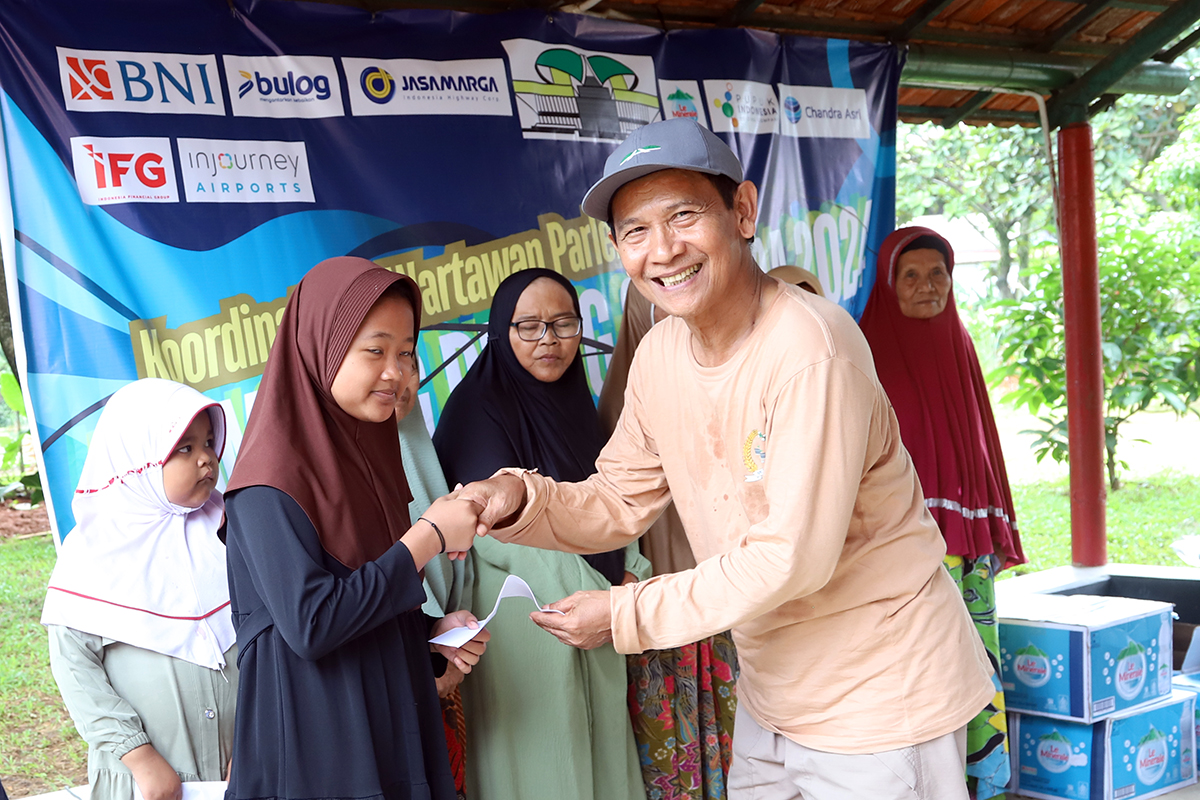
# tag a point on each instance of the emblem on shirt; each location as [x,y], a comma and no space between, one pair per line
[754,455]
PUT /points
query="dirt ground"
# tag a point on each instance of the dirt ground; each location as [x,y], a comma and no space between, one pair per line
[14,522]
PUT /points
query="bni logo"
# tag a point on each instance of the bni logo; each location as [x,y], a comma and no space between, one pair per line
[284,86]
[124,170]
[145,83]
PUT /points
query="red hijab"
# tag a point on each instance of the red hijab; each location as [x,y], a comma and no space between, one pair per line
[933,379]
[346,474]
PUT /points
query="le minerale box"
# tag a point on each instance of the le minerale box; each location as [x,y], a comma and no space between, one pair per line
[1083,657]
[1142,753]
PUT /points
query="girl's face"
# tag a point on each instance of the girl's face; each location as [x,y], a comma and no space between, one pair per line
[190,473]
[379,363]
[547,358]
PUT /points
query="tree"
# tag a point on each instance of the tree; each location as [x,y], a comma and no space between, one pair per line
[1150,321]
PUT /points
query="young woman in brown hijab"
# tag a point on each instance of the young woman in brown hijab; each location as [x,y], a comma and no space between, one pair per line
[337,696]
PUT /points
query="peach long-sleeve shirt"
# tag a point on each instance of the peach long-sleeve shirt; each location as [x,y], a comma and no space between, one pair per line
[807,520]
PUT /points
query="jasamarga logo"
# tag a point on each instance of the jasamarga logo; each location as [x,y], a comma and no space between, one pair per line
[1131,671]
[1054,752]
[414,86]
[129,169]
[233,171]
[284,86]
[145,83]
[1151,757]
[1032,666]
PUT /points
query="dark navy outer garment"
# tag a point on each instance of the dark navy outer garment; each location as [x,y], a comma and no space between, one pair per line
[337,696]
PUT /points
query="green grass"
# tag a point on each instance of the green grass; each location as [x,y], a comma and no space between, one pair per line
[1144,517]
[39,748]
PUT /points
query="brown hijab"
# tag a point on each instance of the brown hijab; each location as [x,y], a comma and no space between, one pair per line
[346,474]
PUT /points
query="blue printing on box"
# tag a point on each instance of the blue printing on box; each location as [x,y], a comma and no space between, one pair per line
[1141,754]
[1043,666]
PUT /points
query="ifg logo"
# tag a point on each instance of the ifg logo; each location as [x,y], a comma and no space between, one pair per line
[124,170]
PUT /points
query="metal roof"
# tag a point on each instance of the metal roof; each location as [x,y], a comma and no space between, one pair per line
[1071,52]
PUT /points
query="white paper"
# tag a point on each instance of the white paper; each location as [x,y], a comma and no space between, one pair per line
[513,587]
[196,790]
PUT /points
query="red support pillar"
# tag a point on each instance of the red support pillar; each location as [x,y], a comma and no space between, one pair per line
[1085,376]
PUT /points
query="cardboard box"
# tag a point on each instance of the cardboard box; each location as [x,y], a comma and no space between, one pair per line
[1083,657]
[1137,754]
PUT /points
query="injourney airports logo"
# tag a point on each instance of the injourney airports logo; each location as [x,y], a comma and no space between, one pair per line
[241,171]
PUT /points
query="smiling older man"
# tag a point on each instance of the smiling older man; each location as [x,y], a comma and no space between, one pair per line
[756,407]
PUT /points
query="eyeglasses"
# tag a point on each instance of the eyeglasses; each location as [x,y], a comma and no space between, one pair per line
[532,330]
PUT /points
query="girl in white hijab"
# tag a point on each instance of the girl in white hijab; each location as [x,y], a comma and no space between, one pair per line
[141,637]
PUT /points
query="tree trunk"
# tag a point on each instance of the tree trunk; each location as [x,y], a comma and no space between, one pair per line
[1114,482]
[1004,265]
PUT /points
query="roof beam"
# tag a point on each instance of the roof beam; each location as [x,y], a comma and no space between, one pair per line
[1069,28]
[939,113]
[1070,104]
[919,19]
[966,109]
[741,12]
[1187,43]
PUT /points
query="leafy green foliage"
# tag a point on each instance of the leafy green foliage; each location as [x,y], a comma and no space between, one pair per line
[1150,325]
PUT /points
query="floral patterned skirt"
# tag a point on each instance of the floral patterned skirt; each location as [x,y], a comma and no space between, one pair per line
[987,734]
[683,702]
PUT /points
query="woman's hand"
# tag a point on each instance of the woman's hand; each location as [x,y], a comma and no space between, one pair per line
[449,681]
[467,656]
[152,774]
[447,526]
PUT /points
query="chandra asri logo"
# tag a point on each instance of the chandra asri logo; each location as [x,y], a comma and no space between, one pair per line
[124,170]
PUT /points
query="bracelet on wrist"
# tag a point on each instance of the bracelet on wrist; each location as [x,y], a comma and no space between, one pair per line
[436,530]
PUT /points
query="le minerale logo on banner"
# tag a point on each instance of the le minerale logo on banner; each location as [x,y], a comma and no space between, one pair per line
[283,86]
[128,169]
[146,83]
[681,99]
[232,171]
[381,87]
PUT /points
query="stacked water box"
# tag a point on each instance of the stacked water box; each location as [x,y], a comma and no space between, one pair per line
[1087,682]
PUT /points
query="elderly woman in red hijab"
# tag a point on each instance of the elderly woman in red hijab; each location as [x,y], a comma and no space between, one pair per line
[927,363]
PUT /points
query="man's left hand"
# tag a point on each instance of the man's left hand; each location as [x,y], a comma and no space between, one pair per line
[586,621]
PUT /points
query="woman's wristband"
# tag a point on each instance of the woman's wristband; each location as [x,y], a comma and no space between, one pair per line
[436,530]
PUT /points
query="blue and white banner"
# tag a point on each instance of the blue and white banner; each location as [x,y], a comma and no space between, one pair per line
[172,171]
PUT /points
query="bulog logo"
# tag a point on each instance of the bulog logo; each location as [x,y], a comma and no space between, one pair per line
[284,86]
[124,170]
[146,83]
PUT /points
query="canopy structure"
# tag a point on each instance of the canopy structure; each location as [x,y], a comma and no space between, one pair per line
[1004,62]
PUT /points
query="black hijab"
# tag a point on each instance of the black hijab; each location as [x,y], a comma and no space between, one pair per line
[501,416]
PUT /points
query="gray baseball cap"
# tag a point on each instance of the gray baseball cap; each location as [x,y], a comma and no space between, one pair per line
[677,143]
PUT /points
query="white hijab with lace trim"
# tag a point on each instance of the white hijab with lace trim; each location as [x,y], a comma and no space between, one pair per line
[137,568]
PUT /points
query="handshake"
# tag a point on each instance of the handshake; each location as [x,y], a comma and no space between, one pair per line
[473,510]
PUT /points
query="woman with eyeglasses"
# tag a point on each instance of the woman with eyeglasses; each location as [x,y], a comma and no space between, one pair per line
[543,719]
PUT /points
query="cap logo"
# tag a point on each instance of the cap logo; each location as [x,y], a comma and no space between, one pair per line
[647,149]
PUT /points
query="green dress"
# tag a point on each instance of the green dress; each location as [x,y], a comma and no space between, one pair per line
[545,720]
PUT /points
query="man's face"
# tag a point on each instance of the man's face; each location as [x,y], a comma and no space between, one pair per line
[679,243]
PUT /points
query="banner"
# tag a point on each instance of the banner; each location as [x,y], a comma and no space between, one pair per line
[172,172]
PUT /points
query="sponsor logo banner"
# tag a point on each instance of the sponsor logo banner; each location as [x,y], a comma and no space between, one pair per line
[231,171]
[824,112]
[682,99]
[283,86]
[146,83]
[128,169]
[742,106]
[414,86]
[568,93]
